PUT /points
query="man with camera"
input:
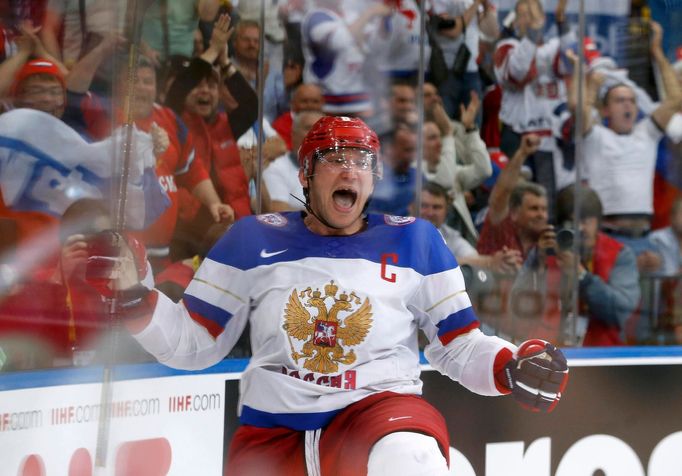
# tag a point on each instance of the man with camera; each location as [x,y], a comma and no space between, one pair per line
[606,270]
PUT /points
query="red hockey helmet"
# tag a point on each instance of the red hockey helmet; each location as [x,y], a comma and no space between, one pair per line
[331,132]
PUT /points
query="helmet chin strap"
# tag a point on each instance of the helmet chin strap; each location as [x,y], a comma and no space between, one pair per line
[309,209]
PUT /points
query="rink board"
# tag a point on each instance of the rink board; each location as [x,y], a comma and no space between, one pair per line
[621,414]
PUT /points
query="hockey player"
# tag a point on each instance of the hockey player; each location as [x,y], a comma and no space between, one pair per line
[335,298]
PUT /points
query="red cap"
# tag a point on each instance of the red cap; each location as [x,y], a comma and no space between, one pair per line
[37,66]
[337,131]
[590,50]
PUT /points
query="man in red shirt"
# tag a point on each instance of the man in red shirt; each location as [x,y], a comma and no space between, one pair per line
[517,214]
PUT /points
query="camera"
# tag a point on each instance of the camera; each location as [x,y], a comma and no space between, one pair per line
[564,239]
[445,23]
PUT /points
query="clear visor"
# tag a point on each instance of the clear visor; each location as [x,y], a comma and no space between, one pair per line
[347,158]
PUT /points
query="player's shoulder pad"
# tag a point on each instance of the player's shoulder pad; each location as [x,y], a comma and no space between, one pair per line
[276,220]
[394,220]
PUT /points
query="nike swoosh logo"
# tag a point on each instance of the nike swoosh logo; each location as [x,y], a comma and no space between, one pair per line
[265,254]
[399,418]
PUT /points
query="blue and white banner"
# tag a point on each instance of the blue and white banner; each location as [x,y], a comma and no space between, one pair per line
[45,166]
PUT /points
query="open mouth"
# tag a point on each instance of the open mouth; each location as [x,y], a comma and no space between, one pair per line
[203,102]
[345,198]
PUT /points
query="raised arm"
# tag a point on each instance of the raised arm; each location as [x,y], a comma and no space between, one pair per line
[358,26]
[475,164]
[673,101]
[589,92]
[81,75]
[509,177]
[11,66]
[188,78]
[670,83]
[471,12]
[49,34]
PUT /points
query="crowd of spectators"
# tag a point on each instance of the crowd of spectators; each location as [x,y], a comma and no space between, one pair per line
[492,164]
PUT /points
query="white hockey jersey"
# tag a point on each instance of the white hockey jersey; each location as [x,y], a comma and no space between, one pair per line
[334,61]
[531,77]
[333,319]
[395,41]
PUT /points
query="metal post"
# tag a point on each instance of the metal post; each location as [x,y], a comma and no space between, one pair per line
[420,108]
[260,86]
[134,12]
[579,155]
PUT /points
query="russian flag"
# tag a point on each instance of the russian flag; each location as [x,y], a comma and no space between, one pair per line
[667,182]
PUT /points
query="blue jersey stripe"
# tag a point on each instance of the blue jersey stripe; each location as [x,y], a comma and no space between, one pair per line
[295,421]
[209,311]
[458,320]
[417,245]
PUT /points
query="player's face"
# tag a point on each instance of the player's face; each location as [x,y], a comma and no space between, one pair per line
[621,109]
[531,216]
[433,208]
[339,187]
[203,99]
[42,92]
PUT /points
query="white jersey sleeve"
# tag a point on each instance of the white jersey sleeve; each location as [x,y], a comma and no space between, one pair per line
[469,359]
[457,348]
[203,327]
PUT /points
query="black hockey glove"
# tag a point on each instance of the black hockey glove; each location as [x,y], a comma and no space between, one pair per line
[537,375]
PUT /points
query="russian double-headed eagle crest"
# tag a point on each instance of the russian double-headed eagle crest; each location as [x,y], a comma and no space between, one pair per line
[344,323]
